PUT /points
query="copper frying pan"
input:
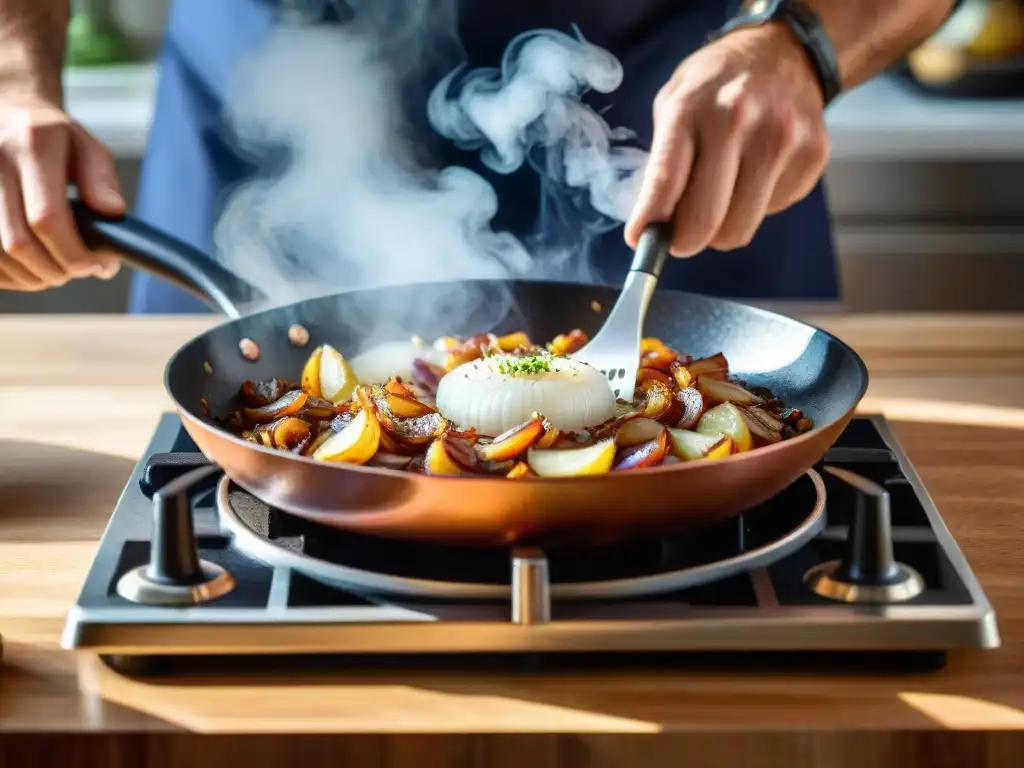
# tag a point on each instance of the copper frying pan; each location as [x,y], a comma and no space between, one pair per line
[805,366]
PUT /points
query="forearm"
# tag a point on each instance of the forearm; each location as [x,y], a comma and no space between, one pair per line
[32,41]
[869,35]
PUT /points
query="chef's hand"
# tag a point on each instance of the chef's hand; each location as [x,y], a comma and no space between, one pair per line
[41,150]
[738,134]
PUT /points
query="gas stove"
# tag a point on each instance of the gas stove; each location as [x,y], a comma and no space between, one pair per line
[851,561]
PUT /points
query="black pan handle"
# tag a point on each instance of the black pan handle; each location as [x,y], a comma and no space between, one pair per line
[652,250]
[145,247]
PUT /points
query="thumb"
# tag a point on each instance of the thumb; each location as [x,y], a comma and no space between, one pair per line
[92,169]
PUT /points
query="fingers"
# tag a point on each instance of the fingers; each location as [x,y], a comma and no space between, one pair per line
[93,169]
[805,167]
[765,158]
[16,277]
[43,170]
[706,200]
[24,259]
[40,151]
[717,168]
[667,171]
[13,277]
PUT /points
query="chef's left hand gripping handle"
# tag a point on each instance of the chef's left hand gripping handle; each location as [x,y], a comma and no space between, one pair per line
[148,248]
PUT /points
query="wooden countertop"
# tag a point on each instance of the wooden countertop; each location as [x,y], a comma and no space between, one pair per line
[83,394]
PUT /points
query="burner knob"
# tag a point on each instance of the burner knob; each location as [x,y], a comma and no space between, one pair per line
[175,575]
[868,572]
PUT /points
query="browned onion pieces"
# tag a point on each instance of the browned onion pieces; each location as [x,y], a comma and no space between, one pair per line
[286,405]
[427,375]
[672,391]
[647,454]
[257,394]
[637,431]
[657,398]
[762,425]
[714,367]
[514,442]
[693,407]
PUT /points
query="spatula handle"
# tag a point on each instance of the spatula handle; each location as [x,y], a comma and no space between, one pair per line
[652,250]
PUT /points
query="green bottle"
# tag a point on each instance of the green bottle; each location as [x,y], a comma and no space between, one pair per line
[94,39]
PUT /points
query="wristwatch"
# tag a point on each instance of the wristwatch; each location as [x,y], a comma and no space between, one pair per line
[806,27]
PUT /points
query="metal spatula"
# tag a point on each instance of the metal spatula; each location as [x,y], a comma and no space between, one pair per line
[615,349]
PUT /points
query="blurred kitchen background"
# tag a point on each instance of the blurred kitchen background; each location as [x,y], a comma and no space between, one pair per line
[926,181]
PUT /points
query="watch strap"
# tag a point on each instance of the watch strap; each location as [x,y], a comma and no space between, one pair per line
[805,25]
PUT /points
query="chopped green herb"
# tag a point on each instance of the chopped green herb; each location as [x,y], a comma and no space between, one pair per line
[527,365]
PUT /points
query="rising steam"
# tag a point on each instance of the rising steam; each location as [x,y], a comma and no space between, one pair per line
[341,199]
[531,108]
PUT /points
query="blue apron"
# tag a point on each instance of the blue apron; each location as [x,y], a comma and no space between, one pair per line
[189,165]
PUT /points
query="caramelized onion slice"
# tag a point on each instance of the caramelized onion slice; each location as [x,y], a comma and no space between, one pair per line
[288,404]
[714,367]
[716,391]
[644,374]
[681,375]
[463,453]
[647,454]
[593,459]
[521,469]
[451,456]
[567,343]
[404,407]
[693,407]
[314,445]
[655,354]
[637,431]
[290,434]
[514,442]
[513,341]
[764,427]
[256,394]
[426,375]
[414,432]
[311,373]
[727,418]
[471,349]
[355,444]
[436,461]
[396,386]
[657,398]
[391,445]
[692,446]
[550,436]
[318,408]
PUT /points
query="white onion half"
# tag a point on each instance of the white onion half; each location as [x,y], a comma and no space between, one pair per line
[571,395]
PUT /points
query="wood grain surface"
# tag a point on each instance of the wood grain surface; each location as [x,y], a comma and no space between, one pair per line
[79,398]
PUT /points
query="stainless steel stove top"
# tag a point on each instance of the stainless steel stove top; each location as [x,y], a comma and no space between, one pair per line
[853,557]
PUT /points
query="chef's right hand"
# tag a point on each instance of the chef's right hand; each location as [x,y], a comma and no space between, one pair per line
[41,151]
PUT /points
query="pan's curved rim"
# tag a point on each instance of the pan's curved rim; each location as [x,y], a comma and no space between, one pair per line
[188,414]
